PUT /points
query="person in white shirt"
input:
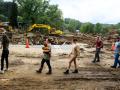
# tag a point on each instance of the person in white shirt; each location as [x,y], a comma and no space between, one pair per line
[73,55]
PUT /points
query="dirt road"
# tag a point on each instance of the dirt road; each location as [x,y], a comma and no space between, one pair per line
[22,74]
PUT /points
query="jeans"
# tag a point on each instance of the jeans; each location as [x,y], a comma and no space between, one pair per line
[4,56]
[116,60]
[97,54]
[48,64]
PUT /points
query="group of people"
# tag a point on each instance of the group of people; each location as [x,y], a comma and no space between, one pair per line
[99,45]
[74,54]
[47,54]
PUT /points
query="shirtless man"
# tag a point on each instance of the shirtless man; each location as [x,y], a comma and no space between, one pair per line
[73,56]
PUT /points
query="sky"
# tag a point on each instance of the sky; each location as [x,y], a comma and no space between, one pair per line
[102,11]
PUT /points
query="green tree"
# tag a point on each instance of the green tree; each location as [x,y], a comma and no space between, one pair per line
[30,9]
[54,15]
[105,30]
[40,11]
[13,15]
[118,25]
[71,24]
[9,10]
[3,18]
[1,1]
[98,28]
[87,28]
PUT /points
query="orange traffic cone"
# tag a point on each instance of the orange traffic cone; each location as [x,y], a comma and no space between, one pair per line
[113,47]
[27,43]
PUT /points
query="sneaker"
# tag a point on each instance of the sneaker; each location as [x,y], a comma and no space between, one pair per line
[2,72]
[38,71]
[48,73]
[113,66]
[76,71]
[66,72]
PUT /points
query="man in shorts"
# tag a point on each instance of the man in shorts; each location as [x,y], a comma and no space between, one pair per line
[73,55]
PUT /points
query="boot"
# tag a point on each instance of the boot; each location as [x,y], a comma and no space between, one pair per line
[39,71]
[98,61]
[48,73]
[93,61]
[66,72]
[113,66]
[76,71]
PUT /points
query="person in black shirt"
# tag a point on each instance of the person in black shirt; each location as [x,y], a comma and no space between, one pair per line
[5,52]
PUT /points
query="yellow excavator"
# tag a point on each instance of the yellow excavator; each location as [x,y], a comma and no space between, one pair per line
[49,28]
[6,27]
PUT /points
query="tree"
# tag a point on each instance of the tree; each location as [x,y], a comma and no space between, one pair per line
[1,1]
[40,11]
[30,9]
[98,28]
[54,15]
[13,15]
[9,10]
[87,28]
[3,18]
[71,24]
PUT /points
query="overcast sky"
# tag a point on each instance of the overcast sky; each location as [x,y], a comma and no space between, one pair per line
[103,11]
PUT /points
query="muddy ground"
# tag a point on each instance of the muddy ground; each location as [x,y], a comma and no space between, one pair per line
[22,74]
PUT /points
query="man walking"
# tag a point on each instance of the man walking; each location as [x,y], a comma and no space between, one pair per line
[46,57]
[116,54]
[73,54]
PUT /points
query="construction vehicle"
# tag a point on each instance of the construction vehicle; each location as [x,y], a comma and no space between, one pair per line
[5,27]
[50,30]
